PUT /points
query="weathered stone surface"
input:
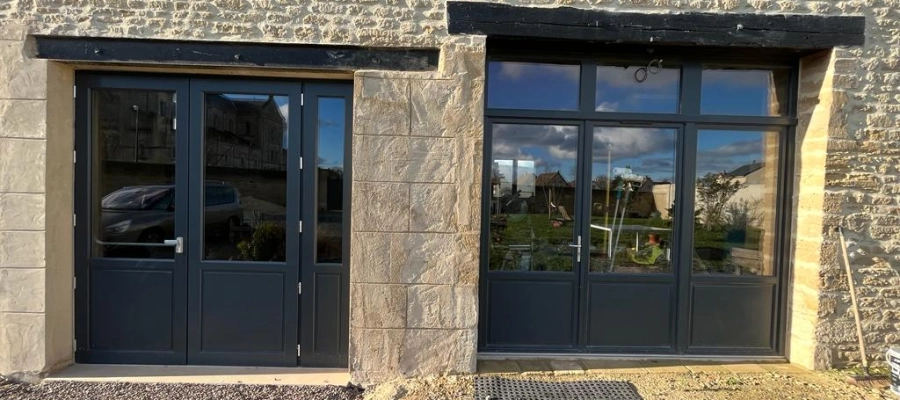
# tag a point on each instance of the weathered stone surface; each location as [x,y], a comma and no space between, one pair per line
[12,31]
[22,343]
[21,77]
[428,258]
[372,251]
[381,106]
[21,211]
[442,306]
[20,249]
[380,207]
[380,158]
[431,207]
[433,160]
[431,101]
[378,305]
[438,351]
[23,118]
[374,353]
[22,290]
[22,165]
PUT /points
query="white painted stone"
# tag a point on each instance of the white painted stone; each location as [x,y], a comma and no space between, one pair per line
[21,211]
[22,290]
[23,119]
[20,249]
[442,306]
[22,165]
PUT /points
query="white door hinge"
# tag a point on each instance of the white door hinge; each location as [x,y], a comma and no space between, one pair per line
[174,124]
[301,100]
[74,91]
[74,219]
[300,226]
[298,349]
[299,287]
[74,156]
[301,162]
[74,282]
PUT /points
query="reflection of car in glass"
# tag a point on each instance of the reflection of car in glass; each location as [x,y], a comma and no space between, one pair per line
[146,214]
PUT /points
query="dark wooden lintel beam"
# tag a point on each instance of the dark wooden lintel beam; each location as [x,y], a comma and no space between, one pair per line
[238,54]
[789,31]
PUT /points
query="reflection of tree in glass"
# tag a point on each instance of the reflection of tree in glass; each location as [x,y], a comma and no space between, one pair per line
[713,192]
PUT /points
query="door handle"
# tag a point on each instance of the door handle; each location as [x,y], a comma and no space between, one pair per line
[577,246]
[178,243]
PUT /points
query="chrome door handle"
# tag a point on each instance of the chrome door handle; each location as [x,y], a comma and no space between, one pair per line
[178,243]
[577,245]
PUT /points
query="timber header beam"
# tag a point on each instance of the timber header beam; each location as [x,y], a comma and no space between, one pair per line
[788,31]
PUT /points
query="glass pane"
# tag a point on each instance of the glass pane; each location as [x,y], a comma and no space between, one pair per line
[533,197]
[632,195]
[245,193]
[330,183]
[737,174]
[637,89]
[132,187]
[533,86]
[744,92]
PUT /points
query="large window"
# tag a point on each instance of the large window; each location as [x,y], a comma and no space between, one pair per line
[635,203]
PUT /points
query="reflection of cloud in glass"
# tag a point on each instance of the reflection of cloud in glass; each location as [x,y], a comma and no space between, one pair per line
[533,86]
[725,151]
[525,71]
[647,151]
[550,147]
[618,90]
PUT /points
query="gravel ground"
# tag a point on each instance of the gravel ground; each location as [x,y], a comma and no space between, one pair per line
[660,386]
[169,391]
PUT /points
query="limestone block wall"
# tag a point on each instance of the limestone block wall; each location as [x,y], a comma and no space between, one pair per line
[35,211]
[417,156]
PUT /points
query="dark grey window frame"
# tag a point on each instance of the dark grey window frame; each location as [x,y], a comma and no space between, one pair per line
[689,120]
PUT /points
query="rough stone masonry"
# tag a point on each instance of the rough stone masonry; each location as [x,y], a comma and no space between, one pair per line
[417,146]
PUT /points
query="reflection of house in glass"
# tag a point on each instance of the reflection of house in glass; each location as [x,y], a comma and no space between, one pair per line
[244,133]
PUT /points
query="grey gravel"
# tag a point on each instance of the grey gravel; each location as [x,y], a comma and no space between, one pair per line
[171,391]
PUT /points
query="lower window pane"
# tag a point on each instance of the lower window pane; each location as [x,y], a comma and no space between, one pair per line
[632,194]
[533,197]
[736,185]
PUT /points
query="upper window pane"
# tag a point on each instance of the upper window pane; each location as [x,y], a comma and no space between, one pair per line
[744,92]
[637,89]
[330,183]
[533,86]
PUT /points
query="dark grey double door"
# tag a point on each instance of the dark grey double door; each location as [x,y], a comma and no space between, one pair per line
[190,197]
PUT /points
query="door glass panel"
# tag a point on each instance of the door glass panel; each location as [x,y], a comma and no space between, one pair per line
[744,91]
[132,187]
[330,179]
[734,229]
[533,197]
[533,86]
[637,89]
[245,172]
[632,197]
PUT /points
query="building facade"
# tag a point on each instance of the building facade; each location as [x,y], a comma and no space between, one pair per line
[400,187]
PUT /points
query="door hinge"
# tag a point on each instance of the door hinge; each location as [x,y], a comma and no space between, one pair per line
[300,226]
[74,92]
[74,219]
[74,344]
[301,162]
[301,100]
[298,349]
[299,287]
[175,124]
[74,282]
[74,156]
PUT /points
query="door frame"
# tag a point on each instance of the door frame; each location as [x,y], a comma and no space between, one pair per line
[303,134]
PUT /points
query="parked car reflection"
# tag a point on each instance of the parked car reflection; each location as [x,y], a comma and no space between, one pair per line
[134,216]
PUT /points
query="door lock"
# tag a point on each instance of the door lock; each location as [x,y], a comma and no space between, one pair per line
[178,243]
[577,247]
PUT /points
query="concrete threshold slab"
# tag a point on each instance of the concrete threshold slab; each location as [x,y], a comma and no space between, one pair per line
[201,374]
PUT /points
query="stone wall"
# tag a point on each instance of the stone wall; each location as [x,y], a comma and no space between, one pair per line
[417,153]
[35,211]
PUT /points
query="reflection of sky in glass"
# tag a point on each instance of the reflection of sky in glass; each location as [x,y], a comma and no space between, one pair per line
[726,151]
[736,92]
[618,90]
[647,151]
[552,148]
[533,86]
[280,101]
[332,128]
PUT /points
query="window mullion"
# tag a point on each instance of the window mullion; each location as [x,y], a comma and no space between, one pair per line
[690,88]
[684,227]
[588,86]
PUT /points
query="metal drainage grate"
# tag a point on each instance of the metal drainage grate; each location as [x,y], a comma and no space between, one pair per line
[496,388]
